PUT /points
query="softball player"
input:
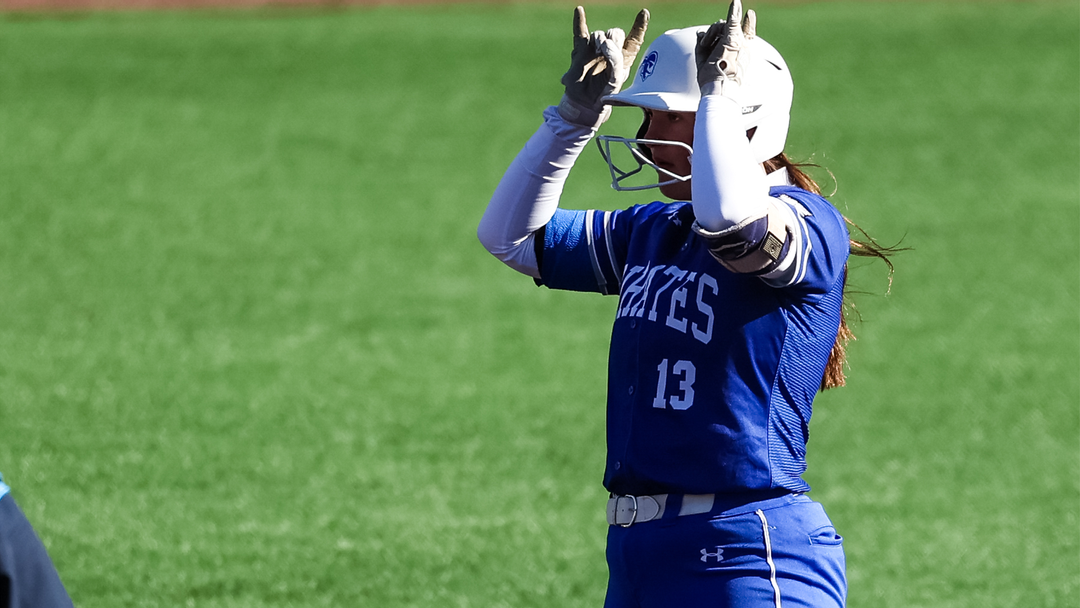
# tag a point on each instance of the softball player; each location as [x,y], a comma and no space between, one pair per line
[27,576]
[729,318]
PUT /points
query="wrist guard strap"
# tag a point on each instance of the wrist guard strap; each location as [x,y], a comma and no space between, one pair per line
[756,246]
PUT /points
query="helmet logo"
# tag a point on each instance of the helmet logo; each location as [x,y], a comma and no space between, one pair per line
[648,65]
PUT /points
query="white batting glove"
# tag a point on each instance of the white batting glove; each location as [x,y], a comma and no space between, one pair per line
[717,52]
[599,65]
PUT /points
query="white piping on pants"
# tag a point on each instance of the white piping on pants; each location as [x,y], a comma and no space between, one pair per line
[768,556]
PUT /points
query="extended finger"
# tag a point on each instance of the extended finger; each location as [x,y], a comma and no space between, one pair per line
[734,20]
[636,36]
[581,29]
[749,26]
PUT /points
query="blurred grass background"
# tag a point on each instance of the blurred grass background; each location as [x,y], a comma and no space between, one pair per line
[251,353]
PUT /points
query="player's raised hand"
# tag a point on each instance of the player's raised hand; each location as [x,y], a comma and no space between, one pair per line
[633,44]
[718,49]
[599,64]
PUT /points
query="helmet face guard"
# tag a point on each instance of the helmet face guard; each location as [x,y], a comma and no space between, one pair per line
[641,158]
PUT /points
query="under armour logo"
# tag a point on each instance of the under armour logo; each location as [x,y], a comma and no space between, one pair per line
[719,555]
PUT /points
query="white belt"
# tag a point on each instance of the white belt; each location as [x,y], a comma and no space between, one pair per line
[626,511]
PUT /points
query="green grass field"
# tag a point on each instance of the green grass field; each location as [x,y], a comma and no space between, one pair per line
[251,353]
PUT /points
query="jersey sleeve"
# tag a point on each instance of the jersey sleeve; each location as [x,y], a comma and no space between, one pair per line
[579,253]
[817,244]
[586,250]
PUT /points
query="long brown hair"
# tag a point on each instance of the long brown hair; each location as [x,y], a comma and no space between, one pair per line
[866,246]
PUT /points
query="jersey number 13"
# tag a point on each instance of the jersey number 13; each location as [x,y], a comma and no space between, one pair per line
[682,372]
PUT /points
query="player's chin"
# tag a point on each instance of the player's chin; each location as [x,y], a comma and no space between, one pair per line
[677,191]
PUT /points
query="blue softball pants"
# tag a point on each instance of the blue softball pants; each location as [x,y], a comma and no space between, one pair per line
[770,553]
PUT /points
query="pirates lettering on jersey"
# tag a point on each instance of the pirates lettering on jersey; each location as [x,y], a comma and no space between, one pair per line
[667,294]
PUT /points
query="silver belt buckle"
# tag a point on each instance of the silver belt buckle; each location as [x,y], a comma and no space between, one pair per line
[633,515]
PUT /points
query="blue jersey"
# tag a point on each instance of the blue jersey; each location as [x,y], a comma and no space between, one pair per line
[712,374]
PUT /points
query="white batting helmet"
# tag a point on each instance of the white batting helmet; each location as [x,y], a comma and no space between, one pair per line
[666,80]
